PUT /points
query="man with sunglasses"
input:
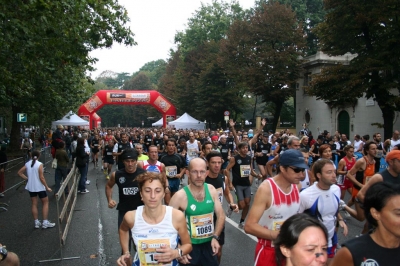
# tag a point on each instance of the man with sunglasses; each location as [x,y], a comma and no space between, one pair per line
[276,200]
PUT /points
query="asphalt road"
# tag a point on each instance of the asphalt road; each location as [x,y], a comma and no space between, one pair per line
[93,236]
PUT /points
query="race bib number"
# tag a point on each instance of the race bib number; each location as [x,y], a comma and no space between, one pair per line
[264,151]
[245,170]
[202,226]
[171,171]
[96,145]
[130,190]
[224,151]
[220,194]
[192,152]
[147,250]
[379,153]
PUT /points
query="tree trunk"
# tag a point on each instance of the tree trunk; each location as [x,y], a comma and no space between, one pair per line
[388,118]
[15,135]
[277,113]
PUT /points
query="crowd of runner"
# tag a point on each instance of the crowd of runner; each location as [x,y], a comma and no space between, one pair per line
[295,173]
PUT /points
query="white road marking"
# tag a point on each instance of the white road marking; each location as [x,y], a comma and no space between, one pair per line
[234,224]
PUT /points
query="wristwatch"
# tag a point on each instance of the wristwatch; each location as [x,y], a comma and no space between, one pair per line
[180,252]
[216,237]
[3,253]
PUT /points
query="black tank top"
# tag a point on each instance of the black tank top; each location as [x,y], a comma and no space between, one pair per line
[128,189]
[241,171]
[108,152]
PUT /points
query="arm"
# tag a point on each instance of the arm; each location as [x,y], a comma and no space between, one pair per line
[340,170]
[342,258]
[219,226]
[228,195]
[179,200]
[110,184]
[260,204]
[232,125]
[374,179]
[41,177]
[228,170]
[127,223]
[342,224]
[21,172]
[270,163]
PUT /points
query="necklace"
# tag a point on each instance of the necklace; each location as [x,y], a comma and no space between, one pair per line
[200,196]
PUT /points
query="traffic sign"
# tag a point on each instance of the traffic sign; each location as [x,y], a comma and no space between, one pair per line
[22,117]
[227,113]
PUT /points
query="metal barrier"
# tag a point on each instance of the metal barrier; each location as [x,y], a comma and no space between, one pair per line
[65,208]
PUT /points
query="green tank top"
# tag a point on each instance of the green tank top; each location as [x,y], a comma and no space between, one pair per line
[199,217]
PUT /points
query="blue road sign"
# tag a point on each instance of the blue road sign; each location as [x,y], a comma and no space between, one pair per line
[22,117]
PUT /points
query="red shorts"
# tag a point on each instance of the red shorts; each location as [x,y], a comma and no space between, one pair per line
[346,184]
[265,255]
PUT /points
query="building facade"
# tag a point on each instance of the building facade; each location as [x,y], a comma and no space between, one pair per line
[350,120]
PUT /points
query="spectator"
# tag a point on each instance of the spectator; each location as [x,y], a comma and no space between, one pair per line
[37,186]
[82,159]
[62,166]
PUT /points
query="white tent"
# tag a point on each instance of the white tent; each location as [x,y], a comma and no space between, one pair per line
[187,122]
[159,123]
[71,119]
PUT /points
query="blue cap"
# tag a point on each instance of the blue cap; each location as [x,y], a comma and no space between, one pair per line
[292,157]
[250,135]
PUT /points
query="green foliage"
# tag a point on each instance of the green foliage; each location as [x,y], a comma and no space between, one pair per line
[263,53]
[309,13]
[44,52]
[372,31]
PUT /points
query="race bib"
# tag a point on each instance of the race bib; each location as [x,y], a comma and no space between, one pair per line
[171,171]
[224,150]
[147,250]
[130,190]
[220,194]
[264,151]
[202,226]
[96,145]
[245,170]
[109,153]
[379,153]
[192,152]
[276,226]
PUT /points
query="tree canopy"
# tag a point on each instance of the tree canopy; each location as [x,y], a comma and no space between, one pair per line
[371,30]
[44,52]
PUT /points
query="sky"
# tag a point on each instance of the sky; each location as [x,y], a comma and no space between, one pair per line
[154,23]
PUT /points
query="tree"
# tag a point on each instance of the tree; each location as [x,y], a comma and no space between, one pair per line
[263,54]
[309,13]
[372,31]
[44,52]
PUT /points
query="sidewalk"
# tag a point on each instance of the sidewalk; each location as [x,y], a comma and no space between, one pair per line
[85,237]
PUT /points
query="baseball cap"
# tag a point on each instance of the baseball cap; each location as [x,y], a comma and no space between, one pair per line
[250,135]
[292,157]
[214,138]
[394,154]
[265,134]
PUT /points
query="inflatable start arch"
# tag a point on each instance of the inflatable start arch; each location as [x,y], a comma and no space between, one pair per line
[88,110]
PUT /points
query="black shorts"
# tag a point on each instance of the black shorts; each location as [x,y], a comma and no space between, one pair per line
[95,151]
[109,160]
[202,254]
[41,194]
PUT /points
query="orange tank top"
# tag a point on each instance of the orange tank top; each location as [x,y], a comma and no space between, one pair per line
[369,170]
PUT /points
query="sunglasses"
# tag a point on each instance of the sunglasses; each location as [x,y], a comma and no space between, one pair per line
[297,170]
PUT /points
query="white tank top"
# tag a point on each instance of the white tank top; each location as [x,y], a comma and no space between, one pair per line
[306,182]
[192,150]
[394,143]
[282,207]
[34,184]
[149,237]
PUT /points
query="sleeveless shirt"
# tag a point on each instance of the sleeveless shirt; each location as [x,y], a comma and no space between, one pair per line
[128,189]
[241,171]
[199,217]
[388,178]
[149,237]
[282,207]
[34,184]
[155,168]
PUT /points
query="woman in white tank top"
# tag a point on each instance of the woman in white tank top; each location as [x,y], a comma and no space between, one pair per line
[155,227]
[37,186]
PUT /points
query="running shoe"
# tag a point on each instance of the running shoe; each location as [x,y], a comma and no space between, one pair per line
[1,195]
[38,224]
[229,212]
[48,224]
[87,182]
[84,191]
[241,225]
[108,177]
